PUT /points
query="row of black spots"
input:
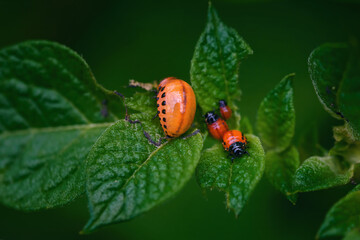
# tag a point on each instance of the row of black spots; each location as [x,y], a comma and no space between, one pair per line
[163,95]
[163,104]
[163,111]
[164,119]
[161,89]
[157,95]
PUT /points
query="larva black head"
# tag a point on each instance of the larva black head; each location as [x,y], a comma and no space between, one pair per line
[211,117]
[237,149]
[222,103]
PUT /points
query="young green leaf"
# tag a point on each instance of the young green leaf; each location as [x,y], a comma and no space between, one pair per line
[50,116]
[127,176]
[349,151]
[343,217]
[335,72]
[341,133]
[353,234]
[349,93]
[327,65]
[215,64]
[280,170]
[276,116]
[237,179]
[317,173]
[245,125]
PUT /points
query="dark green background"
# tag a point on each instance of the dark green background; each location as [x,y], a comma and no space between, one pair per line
[150,40]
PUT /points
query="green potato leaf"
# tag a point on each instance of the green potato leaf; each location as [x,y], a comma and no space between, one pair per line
[127,176]
[276,116]
[317,173]
[349,151]
[280,170]
[327,65]
[349,93]
[335,72]
[142,103]
[245,125]
[215,65]
[237,180]
[50,116]
[343,218]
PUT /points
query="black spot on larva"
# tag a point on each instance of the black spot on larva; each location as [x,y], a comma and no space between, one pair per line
[163,111]
[164,119]
[165,126]
[158,111]
[159,88]
[163,89]
[160,124]
[163,103]
[157,98]
[163,95]
[157,105]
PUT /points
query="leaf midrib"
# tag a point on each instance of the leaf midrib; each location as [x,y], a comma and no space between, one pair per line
[143,164]
[127,181]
